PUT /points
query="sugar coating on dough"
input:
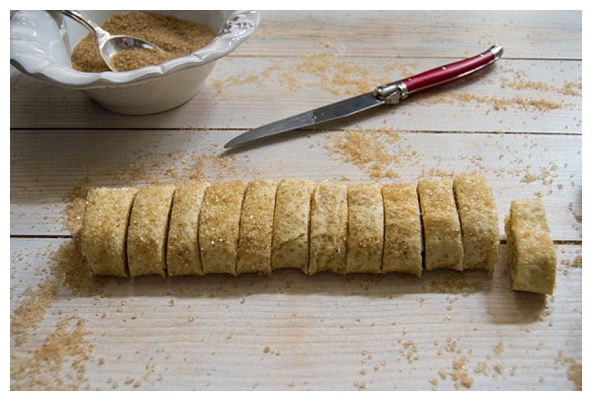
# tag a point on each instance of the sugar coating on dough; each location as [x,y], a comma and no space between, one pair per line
[328,228]
[148,228]
[290,224]
[238,227]
[219,226]
[365,228]
[441,225]
[479,222]
[403,241]
[104,230]
[531,253]
[256,228]
[182,245]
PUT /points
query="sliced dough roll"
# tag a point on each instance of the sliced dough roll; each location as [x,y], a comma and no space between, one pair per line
[478,220]
[148,228]
[328,228]
[441,225]
[365,228]
[219,226]
[531,254]
[403,241]
[289,247]
[182,245]
[104,230]
[256,228]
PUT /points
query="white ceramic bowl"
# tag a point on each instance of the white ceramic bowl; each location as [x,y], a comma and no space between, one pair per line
[41,43]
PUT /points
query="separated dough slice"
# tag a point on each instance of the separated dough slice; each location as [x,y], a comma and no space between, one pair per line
[328,228]
[289,247]
[365,228]
[219,226]
[479,222]
[403,241]
[104,230]
[256,227]
[531,254]
[148,228]
[441,225]
[182,245]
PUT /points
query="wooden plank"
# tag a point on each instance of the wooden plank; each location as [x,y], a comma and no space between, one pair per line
[445,331]
[403,33]
[512,96]
[48,166]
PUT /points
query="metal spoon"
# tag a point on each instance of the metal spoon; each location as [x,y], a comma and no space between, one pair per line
[109,44]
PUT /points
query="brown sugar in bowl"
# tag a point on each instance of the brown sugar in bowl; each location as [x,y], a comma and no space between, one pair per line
[42,42]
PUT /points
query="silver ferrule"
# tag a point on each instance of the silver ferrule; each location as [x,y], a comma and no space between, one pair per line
[497,51]
[392,93]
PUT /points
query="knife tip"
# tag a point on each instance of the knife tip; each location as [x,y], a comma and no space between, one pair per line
[229,144]
[237,141]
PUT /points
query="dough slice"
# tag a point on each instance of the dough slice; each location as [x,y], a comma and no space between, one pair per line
[328,228]
[219,226]
[403,241]
[365,228]
[256,227]
[531,254]
[289,248]
[104,230]
[479,222]
[182,245]
[441,225]
[148,228]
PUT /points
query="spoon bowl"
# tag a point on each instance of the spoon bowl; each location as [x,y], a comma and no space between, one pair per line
[110,45]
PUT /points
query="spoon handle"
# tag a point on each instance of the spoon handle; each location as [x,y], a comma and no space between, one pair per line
[88,24]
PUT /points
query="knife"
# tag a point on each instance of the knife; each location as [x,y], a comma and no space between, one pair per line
[391,93]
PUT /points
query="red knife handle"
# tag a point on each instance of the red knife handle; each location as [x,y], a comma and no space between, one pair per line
[399,90]
[451,71]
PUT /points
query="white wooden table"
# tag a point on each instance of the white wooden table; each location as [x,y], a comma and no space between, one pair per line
[519,124]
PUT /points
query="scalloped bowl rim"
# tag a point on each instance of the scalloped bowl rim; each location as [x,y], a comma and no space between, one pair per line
[26,56]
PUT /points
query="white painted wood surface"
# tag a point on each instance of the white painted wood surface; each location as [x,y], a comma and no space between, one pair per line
[519,124]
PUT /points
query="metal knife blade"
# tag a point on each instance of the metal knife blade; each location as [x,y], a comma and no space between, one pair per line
[323,114]
[390,93]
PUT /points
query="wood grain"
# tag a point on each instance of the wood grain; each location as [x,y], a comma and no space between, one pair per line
[519,124]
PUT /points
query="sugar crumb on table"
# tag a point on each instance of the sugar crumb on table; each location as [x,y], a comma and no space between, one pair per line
[43,369]
[378,152]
